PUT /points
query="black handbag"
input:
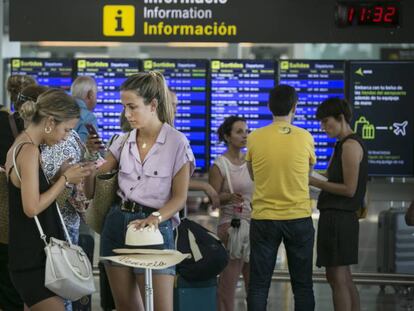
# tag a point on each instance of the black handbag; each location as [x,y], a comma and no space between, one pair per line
[208,255]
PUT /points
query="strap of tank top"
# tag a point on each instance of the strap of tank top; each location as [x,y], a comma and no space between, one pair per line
[39,226]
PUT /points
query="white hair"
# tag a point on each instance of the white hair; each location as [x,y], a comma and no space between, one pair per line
[82,85]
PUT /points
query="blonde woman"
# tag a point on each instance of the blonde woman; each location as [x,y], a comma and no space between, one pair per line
[155,163]
[50,120]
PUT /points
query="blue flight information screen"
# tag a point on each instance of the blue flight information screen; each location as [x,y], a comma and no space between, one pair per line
[109,74]
[188,79]
[241,88]
[314,82]
[56,73]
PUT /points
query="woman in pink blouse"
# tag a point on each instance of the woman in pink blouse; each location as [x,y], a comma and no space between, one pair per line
[155,163]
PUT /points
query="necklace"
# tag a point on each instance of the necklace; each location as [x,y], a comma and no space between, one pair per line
[27,134]
[144,145]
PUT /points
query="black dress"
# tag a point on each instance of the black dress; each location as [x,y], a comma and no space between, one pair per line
[26,250]
[338,226]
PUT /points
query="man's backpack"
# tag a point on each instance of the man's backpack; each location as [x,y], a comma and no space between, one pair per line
[208,255]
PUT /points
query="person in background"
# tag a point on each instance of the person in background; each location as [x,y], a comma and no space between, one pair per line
[49,121]
[235,204]
[196,184]
[84,89]
[341,197]
[15,84]
[154,173]
[280,157]
[55,159]
[25,85]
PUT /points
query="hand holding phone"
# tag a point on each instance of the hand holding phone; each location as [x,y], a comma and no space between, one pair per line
[94,136]
[91,129]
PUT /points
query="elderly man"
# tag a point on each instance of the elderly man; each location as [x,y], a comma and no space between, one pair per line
[84,90]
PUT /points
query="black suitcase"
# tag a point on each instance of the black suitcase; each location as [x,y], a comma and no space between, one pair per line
[395,251]
[107,300]
[87,242]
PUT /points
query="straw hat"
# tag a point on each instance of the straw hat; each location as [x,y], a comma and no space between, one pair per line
[149,255]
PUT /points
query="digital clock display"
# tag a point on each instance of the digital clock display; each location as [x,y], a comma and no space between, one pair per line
[382,14]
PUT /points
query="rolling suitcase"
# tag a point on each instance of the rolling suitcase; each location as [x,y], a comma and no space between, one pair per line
[395,251]
[200,296]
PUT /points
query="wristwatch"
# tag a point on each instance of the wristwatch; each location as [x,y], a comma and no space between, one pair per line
[158,215]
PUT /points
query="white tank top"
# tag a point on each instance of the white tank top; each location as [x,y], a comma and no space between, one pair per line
[241,182]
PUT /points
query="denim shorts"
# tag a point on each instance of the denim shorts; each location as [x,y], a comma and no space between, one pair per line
[114,231]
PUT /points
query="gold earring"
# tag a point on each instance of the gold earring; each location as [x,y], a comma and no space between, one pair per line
[48,130]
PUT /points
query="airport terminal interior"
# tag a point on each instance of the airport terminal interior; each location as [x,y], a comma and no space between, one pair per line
[214,79]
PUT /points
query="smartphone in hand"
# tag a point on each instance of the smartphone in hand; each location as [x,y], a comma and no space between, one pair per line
[92,131]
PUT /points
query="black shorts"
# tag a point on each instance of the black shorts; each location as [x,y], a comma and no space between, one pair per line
[31,286]
[338,237]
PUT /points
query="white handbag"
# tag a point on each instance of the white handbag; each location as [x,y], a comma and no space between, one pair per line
[68,269]
[238,243]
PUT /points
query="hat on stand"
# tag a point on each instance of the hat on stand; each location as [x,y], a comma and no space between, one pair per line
[144,250]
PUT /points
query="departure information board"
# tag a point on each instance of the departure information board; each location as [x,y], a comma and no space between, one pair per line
[56,73]
[109,74]
[188,79]
[314,82]
[241,88]
[383,98]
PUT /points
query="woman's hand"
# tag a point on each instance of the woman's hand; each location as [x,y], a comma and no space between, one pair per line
[63,168]
[313,181]
[236,198]
[75,173]
[213,195]
[151,221]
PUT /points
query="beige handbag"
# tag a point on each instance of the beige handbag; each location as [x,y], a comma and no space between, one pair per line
[106,186]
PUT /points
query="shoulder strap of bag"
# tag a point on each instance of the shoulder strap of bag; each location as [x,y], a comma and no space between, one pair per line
[13,125]
[113,138]
[123,144]
[121,147]
[226,169]
[39,226]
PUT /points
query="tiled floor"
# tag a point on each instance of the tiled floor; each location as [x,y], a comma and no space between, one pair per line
[280,295]
[280,298]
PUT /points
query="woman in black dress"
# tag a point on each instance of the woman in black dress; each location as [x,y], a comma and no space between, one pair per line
[9,298]
[341,197]
[49,120]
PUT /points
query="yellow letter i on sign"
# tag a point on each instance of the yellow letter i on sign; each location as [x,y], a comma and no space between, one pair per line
[119,20]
